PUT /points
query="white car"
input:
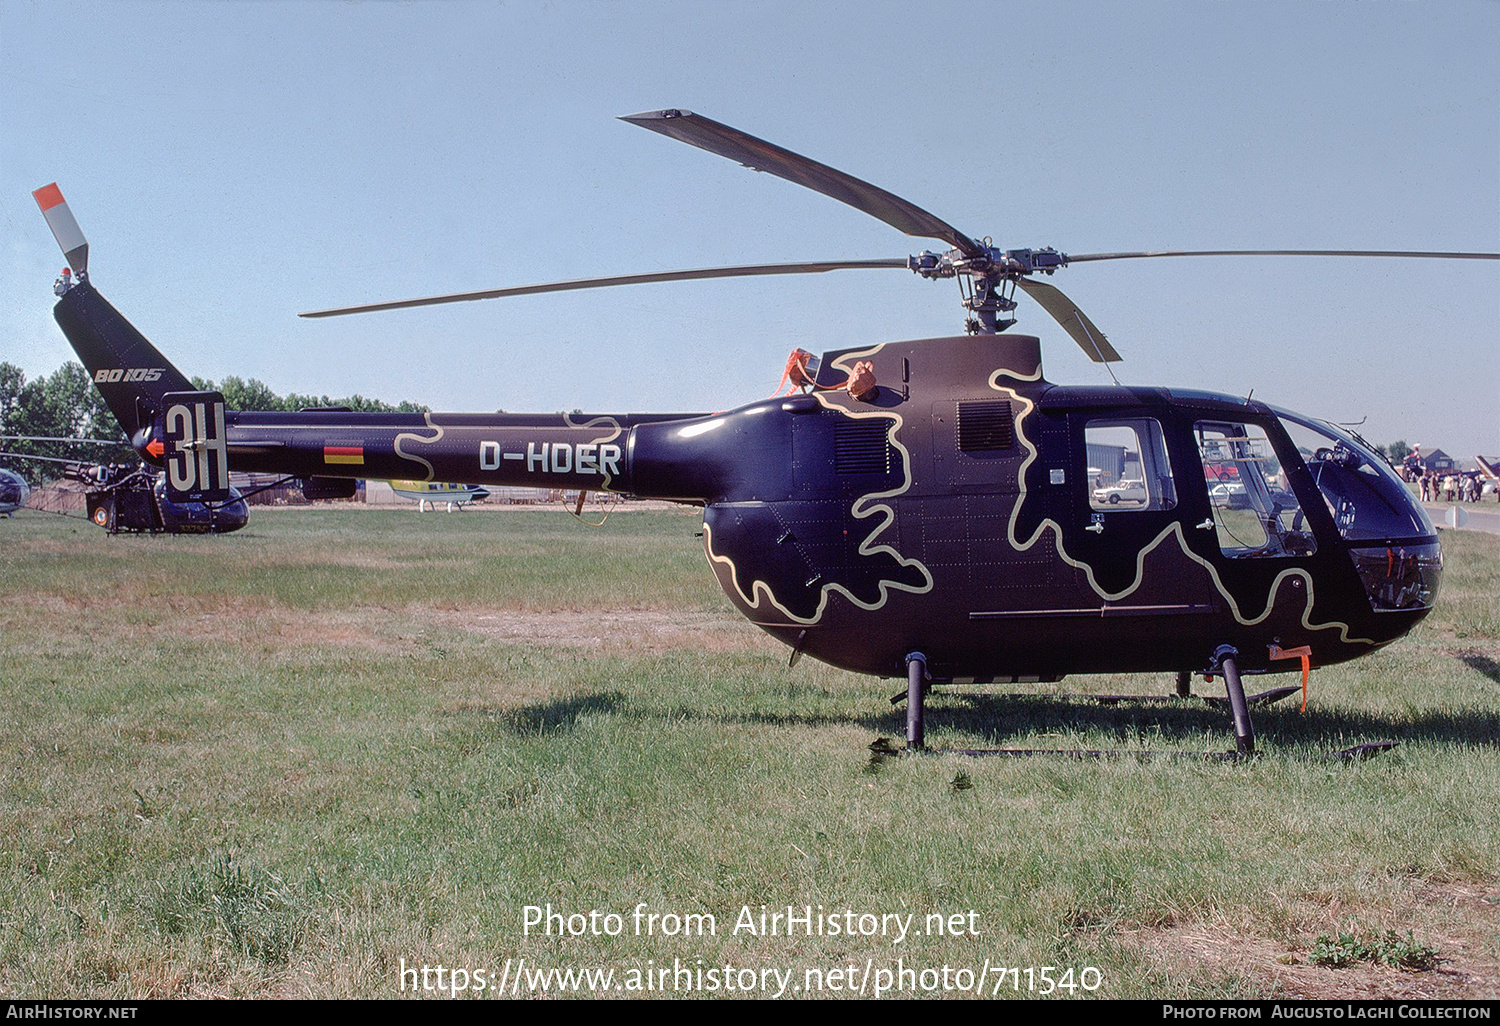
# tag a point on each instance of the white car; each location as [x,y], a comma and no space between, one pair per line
[1229,495]
[1133,492]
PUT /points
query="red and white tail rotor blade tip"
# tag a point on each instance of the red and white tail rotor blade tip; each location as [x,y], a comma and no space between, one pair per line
[64,226]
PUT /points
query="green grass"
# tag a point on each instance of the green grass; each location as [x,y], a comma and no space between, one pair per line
[286,761]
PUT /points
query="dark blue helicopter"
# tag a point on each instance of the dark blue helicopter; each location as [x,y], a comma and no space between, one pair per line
[132,499]
[933,510]
[137,500]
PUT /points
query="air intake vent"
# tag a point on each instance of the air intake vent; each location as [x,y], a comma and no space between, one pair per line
[860,447]
[985,426]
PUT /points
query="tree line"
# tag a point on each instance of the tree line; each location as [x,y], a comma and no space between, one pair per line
[65,404]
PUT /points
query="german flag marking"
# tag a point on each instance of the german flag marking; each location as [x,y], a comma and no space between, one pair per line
[344,454]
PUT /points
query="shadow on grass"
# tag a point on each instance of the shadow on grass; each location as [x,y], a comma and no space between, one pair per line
[999,719]
[1482,664]
[559,715]
[996,717]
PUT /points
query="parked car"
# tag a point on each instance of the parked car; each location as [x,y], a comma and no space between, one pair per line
[1133,492]
[1229,495]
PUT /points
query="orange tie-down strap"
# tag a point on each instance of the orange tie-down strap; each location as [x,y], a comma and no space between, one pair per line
[860,382]
[1303,652]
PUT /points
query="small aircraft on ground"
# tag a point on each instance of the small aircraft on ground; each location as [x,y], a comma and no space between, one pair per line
[920,509]
[457,496]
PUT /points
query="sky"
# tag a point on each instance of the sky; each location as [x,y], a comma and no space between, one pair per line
[233,164]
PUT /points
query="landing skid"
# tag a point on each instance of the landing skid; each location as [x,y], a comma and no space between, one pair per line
[1356,754]
[1225,664]
[1269,697]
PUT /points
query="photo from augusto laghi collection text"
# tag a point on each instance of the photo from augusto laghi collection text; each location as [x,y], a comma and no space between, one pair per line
[691,973]
[1326,1011]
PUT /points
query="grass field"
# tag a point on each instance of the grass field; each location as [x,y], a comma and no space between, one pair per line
[294,760]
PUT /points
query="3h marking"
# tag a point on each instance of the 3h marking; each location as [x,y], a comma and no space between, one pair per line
[197,461]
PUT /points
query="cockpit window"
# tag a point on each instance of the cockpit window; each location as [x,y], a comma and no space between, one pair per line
[1369,503]
[1255,513]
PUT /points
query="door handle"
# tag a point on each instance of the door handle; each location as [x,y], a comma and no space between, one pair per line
[1207,525]
[1096,528]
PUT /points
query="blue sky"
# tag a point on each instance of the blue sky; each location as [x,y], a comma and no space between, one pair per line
[233,164]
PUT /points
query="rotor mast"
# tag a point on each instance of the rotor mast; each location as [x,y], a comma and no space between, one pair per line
[987,279]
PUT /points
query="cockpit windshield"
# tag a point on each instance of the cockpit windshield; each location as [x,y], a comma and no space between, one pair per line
[1368,501]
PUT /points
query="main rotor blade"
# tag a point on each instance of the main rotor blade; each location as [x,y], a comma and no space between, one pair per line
[744,271]
[51,438]
[1073,320]
[759,155]
[1282,252]
[45,459]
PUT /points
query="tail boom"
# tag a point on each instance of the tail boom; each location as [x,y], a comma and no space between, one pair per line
[197,440]
[527,450]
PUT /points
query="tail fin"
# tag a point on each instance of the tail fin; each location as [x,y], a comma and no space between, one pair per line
[131,375]
[127,370]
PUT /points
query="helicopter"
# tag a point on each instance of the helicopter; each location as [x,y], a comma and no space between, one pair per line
[134,500]
[927,510]
[14,492]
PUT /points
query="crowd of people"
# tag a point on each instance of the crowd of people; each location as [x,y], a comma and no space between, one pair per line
[1461,487]
[1455,486]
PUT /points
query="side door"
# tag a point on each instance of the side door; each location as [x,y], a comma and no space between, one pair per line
[1127,532]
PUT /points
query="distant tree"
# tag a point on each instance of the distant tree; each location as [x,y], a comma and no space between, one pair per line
[55,406]
[249,395]
[1398,451]
[63,405]
[15,405]
[12,381]
[357,403]
[78,406]
[240,394]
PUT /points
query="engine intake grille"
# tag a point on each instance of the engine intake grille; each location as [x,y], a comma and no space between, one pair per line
[861,447]
[985,425]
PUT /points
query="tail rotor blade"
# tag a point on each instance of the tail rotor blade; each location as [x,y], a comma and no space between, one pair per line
[64,226]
